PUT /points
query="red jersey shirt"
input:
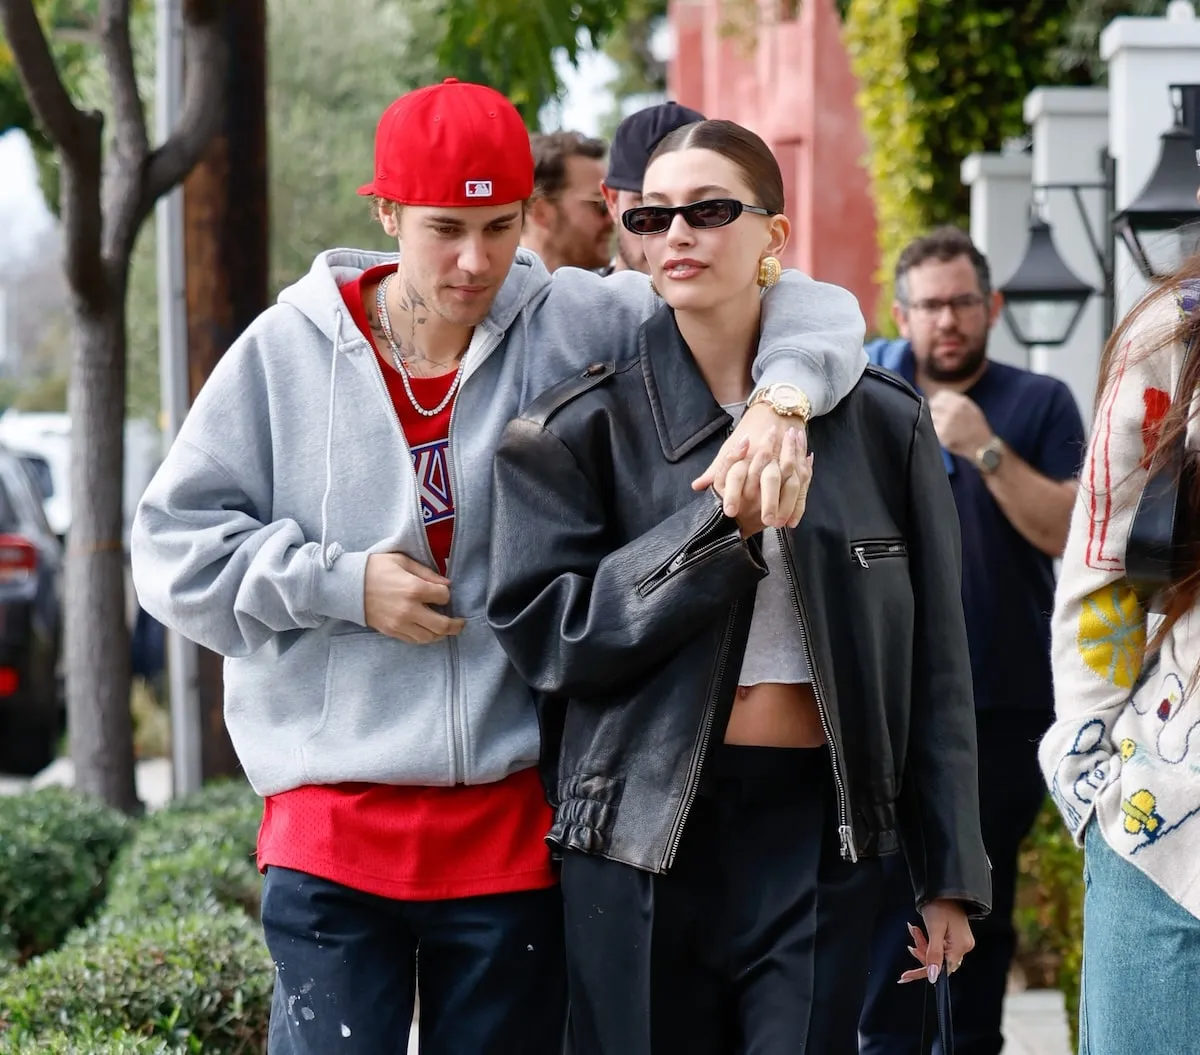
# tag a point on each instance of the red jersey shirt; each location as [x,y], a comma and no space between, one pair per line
[399,841]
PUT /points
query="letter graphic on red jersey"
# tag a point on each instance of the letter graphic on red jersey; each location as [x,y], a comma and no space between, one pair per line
[431,461]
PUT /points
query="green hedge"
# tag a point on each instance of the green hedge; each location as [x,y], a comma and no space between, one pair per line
[941,79]
[1049,914]
[201,980]
[56,848]
[88,1042]
[199,852]
[8,948]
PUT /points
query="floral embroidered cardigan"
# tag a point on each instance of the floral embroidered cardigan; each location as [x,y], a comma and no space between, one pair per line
[1125,745]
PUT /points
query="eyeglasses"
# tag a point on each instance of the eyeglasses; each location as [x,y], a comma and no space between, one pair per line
[716,212]
[964,302]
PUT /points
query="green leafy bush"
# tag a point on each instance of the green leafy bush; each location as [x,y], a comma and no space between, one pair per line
[87,1042]
[1049,915]
[55,852]
[939,80]
[198,852]
[219,795]
[8,948]
[202,980]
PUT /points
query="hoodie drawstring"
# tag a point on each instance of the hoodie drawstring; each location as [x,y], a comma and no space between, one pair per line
[330,553]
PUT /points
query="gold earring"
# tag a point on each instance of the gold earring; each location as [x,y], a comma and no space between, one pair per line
[769,271]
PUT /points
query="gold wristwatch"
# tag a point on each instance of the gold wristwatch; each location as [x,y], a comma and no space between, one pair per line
[786,400]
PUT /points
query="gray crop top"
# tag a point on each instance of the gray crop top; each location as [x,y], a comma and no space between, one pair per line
[775,652]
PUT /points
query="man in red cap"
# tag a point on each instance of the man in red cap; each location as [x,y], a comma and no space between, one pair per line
[322,520]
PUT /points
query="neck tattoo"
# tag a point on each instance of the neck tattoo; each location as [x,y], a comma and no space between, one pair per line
[401,361]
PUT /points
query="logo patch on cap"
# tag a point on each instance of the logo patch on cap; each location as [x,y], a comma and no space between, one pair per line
[479,188]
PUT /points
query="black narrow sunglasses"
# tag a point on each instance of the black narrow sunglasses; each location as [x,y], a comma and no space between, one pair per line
[716,212]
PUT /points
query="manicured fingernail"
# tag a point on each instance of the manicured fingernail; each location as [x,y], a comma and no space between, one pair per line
[934,971]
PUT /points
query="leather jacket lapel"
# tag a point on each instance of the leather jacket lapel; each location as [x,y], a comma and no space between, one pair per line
[685,412]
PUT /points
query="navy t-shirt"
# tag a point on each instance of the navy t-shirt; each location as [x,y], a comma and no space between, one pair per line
[1008,583]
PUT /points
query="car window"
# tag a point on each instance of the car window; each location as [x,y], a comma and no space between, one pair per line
[22,492]
[9,521]
[39,469]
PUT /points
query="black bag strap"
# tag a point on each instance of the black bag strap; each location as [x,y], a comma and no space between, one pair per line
[937,1008]
[1160,547]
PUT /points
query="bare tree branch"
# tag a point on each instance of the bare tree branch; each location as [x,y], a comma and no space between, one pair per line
[206,60]
[129,119]
[82,216]
[206,57]
[44,88]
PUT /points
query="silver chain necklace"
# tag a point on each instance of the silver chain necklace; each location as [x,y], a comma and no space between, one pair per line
[385,324]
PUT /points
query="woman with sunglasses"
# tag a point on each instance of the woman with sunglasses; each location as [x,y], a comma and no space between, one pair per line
[748,711]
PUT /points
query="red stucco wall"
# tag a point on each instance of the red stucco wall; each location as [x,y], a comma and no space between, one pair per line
[792,84]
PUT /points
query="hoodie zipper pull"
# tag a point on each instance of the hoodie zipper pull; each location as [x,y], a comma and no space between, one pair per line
[860,552]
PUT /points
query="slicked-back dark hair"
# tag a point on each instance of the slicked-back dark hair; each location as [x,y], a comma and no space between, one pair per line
[739,145]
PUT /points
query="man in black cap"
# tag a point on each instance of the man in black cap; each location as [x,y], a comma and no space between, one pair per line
[634,142]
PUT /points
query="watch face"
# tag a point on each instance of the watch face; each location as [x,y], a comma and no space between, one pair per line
[989,460]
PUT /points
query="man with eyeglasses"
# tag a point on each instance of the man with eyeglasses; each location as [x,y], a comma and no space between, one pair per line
[1012,442]
[567,223]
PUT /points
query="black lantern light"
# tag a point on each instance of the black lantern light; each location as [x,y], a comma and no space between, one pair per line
[1157,226]
[1044,299]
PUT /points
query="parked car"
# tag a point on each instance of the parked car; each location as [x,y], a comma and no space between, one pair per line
[47,436]
[32,716]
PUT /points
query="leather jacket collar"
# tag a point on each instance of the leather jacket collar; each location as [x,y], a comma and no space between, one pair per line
[685,413]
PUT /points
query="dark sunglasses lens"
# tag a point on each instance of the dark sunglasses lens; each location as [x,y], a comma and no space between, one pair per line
[710,213]
[647,220]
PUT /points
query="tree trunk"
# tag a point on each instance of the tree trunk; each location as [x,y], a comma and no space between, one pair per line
[97,635]
[227,242]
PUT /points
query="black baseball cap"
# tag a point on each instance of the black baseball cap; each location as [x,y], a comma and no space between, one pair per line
[635,140]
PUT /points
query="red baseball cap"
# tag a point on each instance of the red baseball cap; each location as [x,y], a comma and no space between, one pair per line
[452,144]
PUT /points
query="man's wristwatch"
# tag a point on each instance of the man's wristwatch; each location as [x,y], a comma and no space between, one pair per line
[989,456]
[786,400]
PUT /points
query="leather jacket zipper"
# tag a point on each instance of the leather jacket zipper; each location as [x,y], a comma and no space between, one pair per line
[683,559]
[710,714]
[845,829]
[877,549]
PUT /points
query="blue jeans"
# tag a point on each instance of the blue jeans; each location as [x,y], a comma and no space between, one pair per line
[1141,960]
[492,978]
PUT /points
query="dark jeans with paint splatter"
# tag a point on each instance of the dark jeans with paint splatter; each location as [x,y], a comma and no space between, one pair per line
[492,978]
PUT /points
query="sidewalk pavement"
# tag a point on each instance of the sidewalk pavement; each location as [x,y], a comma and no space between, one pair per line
[1035,1022]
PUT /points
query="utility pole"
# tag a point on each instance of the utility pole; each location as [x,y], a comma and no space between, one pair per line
[173,377]
[225,235]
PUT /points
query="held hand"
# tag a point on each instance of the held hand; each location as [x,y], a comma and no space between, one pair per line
[736,472]
[949,941]
[397,596]
[959,423]
[781,484]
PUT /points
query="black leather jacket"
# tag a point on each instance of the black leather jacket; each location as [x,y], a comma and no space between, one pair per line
[625,598]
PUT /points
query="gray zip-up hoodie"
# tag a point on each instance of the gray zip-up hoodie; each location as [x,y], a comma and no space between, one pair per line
[291,468]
